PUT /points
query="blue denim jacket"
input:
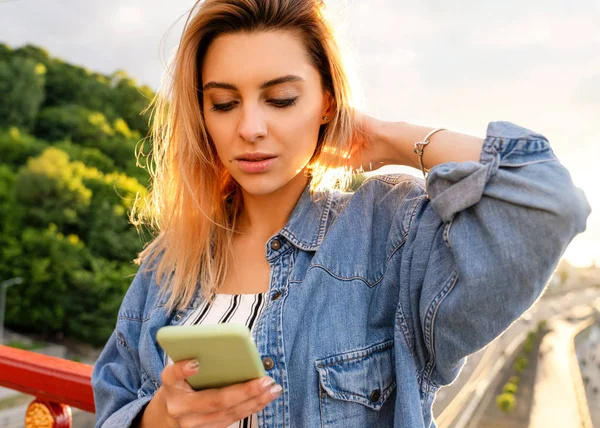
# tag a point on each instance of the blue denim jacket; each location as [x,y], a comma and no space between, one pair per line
[382,293]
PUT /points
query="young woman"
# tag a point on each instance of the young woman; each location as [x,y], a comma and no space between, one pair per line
[362,305]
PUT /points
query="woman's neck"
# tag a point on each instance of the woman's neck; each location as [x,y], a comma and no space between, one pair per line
[264,215]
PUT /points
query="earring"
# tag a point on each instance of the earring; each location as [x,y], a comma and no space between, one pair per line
[325,118]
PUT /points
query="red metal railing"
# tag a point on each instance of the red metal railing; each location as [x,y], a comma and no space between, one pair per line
[57,383]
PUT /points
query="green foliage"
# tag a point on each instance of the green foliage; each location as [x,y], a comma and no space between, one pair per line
[132,100]
[529,342]
[506,402]
[52,191]
[90,156]
[17,146]
[109,232]
[33,52]
[7,180]
[521,364]
[5,52]
[541,325]
[68,177]
[72,122]
[510,387]
[22,88]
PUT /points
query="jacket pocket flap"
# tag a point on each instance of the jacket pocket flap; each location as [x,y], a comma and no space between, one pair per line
[364,376]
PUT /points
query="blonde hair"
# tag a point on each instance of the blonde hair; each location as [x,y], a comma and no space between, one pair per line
[193,201]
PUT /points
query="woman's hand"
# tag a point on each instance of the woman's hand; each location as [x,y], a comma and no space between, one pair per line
[378,143]
[370,149]
[176,404]
[366,152]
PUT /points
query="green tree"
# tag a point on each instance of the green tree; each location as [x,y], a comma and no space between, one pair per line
[5,52]
[7,180]
[68,177]
[108,231]
[22,89]
[17,146]
[51,190]
[64,83]
[132,100]
[90,156]
[73,122]
[45,259]
[506,402]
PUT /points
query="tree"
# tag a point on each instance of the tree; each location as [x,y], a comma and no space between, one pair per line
[17,146]
[22,88]
[132,100]
[73,122]
[67,180]
[51,190]
[71,242]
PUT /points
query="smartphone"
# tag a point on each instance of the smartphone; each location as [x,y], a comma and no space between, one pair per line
[226,352]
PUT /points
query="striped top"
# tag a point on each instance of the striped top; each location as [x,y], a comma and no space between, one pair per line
[231,308]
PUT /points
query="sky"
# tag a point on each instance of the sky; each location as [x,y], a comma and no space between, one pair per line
[457,65]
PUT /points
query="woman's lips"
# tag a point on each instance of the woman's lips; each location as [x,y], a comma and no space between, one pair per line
[253,167]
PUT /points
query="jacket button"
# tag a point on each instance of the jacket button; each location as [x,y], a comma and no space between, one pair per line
[178,316]
[375,395]
[275,244]
[268,363]
[276,296]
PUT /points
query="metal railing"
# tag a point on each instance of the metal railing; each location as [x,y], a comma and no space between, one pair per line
[56,383]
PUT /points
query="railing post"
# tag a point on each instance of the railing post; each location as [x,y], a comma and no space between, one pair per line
[47,414]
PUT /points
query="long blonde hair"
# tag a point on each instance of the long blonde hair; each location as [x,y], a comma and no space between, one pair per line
[193,201]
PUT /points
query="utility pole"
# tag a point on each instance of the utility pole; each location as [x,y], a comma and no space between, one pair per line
[3,286]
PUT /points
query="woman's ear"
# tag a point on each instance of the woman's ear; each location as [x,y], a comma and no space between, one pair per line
[328,107]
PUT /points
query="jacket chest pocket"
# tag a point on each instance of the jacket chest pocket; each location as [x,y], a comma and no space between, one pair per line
[355,387]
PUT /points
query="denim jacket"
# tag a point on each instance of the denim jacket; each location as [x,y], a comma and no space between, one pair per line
[376,297]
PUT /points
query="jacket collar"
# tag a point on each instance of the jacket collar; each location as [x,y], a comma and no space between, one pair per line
[307,224]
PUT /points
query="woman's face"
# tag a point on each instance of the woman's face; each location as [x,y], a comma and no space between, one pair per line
[263,106]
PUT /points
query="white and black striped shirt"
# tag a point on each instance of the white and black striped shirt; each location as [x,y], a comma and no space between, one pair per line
[231,308]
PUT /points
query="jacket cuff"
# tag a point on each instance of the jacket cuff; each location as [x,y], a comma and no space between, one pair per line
[127,414]
[455,186]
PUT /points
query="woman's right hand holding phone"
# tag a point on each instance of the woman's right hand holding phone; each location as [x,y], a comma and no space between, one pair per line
[177,404]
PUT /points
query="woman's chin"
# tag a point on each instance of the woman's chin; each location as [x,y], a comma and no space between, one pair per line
[260,186]
[266,184]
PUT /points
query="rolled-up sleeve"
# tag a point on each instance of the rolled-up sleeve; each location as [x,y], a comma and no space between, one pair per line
[116,376]
[115,385]
[485,243]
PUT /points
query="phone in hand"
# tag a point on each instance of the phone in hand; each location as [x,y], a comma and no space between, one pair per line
[226,352]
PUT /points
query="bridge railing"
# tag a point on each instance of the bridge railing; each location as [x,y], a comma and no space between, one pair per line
[57,384]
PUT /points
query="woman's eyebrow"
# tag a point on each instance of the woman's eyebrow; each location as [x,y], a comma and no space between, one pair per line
[264,85]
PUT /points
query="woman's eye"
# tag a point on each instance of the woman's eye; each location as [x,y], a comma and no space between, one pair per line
[284,103]
[222,107]
[278,103]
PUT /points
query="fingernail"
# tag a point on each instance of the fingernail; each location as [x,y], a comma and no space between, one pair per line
[276,390]
[267,382]
[192,365]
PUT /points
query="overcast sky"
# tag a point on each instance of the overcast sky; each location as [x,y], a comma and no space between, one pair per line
[457,65]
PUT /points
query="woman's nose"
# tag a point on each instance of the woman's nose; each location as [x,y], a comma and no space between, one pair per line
[252,124]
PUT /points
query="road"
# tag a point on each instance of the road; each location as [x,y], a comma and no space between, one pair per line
[479,365]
